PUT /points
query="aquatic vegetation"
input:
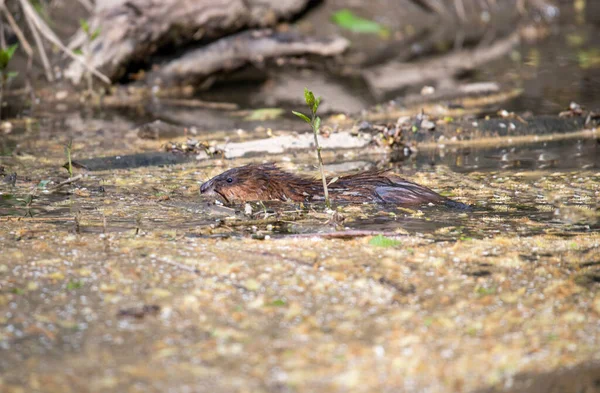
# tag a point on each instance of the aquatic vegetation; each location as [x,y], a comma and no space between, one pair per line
[5,57]
[382,241]
[68,151]
[6,76]
[315,123]
[346,19]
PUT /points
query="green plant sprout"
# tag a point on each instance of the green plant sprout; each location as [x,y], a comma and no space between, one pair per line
[68,149]
[6,54]
[315,123]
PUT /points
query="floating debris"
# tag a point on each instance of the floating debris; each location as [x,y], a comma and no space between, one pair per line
[139,312]
[193,147]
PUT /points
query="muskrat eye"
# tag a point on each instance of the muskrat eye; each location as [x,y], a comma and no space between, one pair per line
[229,180]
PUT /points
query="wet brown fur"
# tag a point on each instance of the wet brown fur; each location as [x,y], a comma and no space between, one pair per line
[267,182]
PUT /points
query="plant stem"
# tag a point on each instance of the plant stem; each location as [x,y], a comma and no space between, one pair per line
[1,91]
[3,48]
[316,134]
[70,164]
[88,60]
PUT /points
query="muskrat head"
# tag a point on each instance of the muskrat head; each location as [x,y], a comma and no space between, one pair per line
[247,183]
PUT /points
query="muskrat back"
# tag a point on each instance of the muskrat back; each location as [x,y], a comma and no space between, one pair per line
[262,182]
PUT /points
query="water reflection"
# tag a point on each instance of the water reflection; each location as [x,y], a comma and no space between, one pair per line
[583,154]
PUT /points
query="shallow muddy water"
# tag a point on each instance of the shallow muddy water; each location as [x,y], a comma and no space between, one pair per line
[531,181]
[131,278]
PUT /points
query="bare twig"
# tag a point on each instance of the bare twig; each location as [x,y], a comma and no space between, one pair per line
[18,32]
[50,36]
[87,4]
[41,50]
[77,40]
[460,10]
[193,103]
[2,38]
[345,234]
[68,181]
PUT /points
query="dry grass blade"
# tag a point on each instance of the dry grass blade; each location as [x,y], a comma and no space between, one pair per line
[460,10]
[50,36]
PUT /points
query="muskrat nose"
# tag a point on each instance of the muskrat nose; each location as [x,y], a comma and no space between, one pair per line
[205,187]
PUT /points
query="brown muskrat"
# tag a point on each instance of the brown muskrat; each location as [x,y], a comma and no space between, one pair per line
[266,182]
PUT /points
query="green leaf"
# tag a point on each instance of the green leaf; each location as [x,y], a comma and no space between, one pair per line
[278,303]
[6,55]
[316,106]
[309,97]
[482,291]
[10,51]
[72,285]
[85,26]
[302,116]
[382,241]
[95,34]
[43,183]
[28,199]
[346,19]
[317,123]
[11,75]
[78,52]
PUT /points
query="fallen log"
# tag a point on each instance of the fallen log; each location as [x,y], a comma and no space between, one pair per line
[254,46]
[134,30]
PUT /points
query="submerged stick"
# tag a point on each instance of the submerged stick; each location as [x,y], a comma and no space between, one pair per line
[68,181]
[345,234]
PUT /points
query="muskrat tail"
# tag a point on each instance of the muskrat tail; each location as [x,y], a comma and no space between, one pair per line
[457,205]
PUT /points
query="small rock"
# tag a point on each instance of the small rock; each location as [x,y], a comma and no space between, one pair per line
[61,95]
[6,126]
[427,125]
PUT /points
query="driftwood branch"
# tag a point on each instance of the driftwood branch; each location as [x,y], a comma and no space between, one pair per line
[136,29]
[350,234]
[395,76]
[248,47]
